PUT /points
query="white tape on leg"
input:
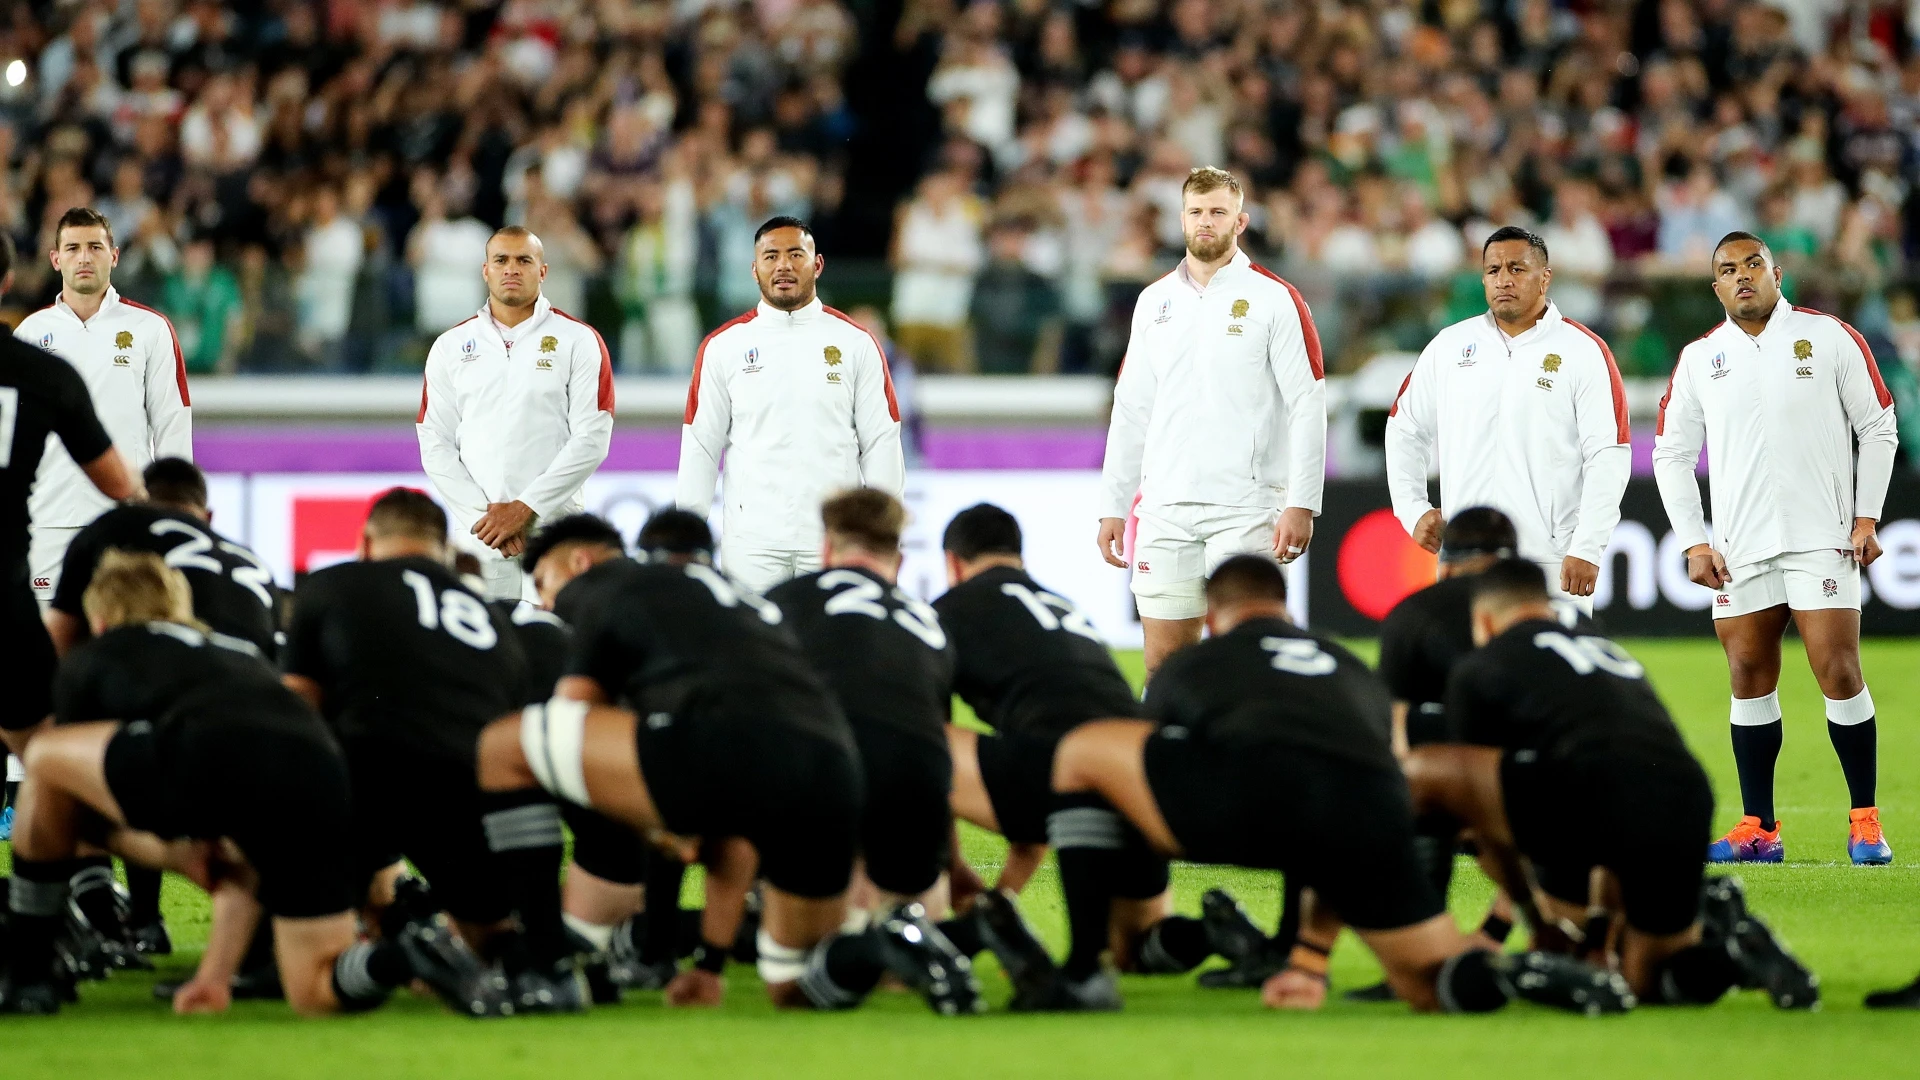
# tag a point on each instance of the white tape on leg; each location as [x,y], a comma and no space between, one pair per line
[779,963]
[553,738]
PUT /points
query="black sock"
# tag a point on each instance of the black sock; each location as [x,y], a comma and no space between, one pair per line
[1468,983]
[1173,945]
[661,939]
[1434,841]
[1086,838]
[367,972]
[1755,749]
[1288,931]
[1696,975]
[93,894]
[854,961]
[143,891]
[37,907]
[687,936]
[1857,745]
[964,932]
[529,847]
[260,950]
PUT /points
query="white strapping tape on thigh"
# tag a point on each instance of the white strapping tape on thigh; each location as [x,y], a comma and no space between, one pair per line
[553,738]
[779,963]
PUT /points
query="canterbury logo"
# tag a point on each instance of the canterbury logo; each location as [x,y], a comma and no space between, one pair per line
[1803,373]
[41,582]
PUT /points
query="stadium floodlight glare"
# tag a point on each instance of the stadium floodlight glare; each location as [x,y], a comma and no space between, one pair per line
[16,72]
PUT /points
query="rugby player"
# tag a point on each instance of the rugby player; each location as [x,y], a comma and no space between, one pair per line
[1782,393]
[1272,751]
[1033,668]
[1559,724]
[408,666]
[746,755]
[887,659]
[225,776]
[233,593]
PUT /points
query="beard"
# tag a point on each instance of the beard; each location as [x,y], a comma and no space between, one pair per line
[800,297]
[1209,250]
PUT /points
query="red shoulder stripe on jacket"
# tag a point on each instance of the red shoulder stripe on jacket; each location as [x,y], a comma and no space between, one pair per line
[700,362]
[606,361]
[1880,390]
[886,373]
[1400,393]
[1307,330]
[1623,429]
[180,359]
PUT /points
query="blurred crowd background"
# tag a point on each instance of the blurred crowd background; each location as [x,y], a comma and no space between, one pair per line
[309,186]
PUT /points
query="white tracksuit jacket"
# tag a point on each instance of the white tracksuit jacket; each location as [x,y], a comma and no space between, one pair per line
[1533,426]
[1781,412]
[802,405]
[1221,400]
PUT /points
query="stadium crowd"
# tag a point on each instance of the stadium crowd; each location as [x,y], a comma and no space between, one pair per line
[306,186]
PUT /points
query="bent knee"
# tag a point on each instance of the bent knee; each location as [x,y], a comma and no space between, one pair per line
[502,762]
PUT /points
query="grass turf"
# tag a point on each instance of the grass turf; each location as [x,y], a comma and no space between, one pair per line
[1858,927]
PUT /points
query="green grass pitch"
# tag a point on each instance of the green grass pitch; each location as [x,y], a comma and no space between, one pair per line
[1860,928]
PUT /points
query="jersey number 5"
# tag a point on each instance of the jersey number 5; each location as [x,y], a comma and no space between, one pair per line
[860,595]
[456,612]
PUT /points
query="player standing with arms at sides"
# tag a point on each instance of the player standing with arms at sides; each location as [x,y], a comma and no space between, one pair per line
[1529,416]
[1781,393]
[1219,421]
[517,411]
[131,360]
[799,398]
[40,395]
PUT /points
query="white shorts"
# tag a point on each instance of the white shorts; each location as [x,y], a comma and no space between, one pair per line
[762,568]
[1802,580]
[1176,547]
[507,581]
[46,551]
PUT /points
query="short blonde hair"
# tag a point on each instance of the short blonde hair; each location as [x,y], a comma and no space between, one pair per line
[1207,179]
[867,518]
[135,587]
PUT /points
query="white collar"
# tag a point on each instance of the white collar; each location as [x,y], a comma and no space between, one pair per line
[111,298]
[799,316]
[1549,320]
[1239,261]
[492,326]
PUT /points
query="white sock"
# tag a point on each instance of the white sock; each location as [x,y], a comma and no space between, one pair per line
[599,936]
[1857,709]
[1759,711]
[16,769]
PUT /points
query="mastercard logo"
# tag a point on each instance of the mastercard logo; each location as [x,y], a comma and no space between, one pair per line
[1380,565]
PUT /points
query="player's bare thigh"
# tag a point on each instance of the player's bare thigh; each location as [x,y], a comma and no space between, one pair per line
[609,762]
[305,950]
[1108,757]
[1752,645]
[1164,637]
[1412,957]
[66,775]
[969,798]
[1832,638]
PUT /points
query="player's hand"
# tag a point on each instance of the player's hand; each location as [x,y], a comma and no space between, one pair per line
[1708,567]
[514,546]
[1113,541]
[199,995]
[1577,576]
[1294,989]
[696,989]
[1292,533]
[503,522]
[1866,541]
[1426,531]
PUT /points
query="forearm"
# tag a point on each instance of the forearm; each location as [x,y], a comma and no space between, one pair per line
[1307,448]
[583,453]
[1407,463]
[884,465]
[236,913]
[1680,494]
[440,460]
[1603,482]
[1873,473]
[699,475]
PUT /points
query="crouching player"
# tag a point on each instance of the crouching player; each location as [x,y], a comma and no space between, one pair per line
[1559,724]
[227,777]
[1272,752]
[726,733]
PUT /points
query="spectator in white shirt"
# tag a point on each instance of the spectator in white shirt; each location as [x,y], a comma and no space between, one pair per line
[937,250]
[334,248]
[1582,251]
[443,252]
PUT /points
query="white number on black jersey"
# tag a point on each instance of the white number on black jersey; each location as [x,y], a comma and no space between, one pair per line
[1587,654]
[1052,612]
[857,594]
[457,612]
[1299,656]
[191,553]
[727,594]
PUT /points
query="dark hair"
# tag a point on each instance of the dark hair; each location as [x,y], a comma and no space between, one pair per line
[572,529]
[82,217]
[1478,530]
[1514,232]
[782,222]
[406,512]
[983,529]
[674,531]
[1510,582]
[1246,577]
[1738,235]
[867,517]
[176,482]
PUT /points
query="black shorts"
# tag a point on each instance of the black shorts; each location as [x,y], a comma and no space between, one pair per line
[1343,829]
[907,825]
[726,767]
[1655,806]
[29,696]
[279,793]
[1017,771]
[429,808]
[605,848]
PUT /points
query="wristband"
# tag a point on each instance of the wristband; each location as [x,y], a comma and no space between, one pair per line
[710,958]
[1497,928]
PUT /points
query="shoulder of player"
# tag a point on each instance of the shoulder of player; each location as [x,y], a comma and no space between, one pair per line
[573,330]
[37,322]
[840,324]
[138,317]
[1833,326]
[1578,342]
[1281,294]
[453,336]
[740,328]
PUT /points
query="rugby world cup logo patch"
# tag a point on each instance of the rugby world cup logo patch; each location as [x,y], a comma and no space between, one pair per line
[46,341]
[1466,354]
[1166,311]
[1719,364]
